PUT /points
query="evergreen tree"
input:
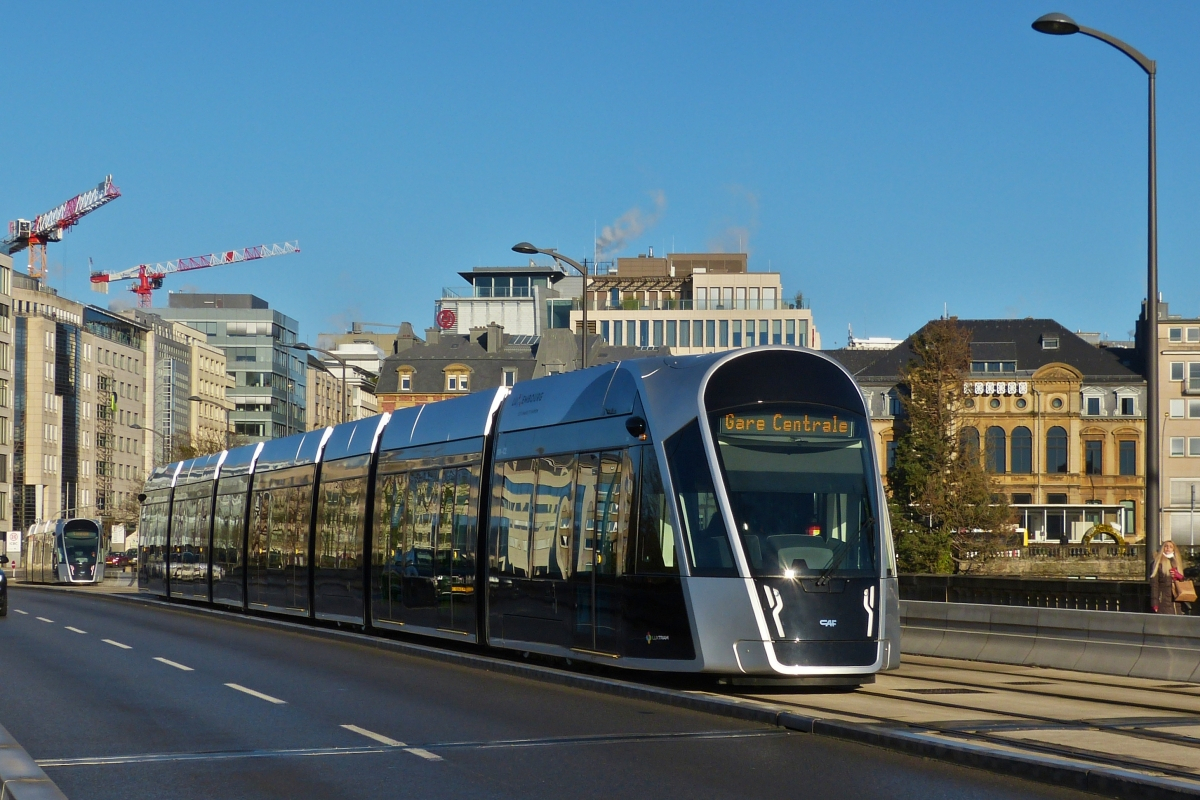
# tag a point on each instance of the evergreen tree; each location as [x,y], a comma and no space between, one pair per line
[945,517]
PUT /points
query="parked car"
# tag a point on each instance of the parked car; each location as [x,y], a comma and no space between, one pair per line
[116,560]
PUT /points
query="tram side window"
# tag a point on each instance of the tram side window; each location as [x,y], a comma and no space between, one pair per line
[423,505]
[655,534]
[511,541]
[393,537]
[550,556]
[704,525]
[340,523]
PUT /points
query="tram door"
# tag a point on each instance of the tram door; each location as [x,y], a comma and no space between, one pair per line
[600,511]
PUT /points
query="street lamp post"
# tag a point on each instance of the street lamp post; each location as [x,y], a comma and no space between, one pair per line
[166,440]
[525,248]
[335,357]
[1061,25]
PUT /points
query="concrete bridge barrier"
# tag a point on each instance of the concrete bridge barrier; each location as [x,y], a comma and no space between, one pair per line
[1141,645]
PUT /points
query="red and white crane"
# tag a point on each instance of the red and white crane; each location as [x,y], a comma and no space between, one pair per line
[150,276]
[51,226]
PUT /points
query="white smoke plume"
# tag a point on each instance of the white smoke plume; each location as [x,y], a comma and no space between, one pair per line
[629,226]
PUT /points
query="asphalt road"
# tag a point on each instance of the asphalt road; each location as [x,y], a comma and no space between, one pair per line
[119,700]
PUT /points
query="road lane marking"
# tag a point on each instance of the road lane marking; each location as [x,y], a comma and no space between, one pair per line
[19,611]
[116,644]
[76,630]
[259,695]
[174,664]
[227,755]
[43,619]
[379,737]
[425,754]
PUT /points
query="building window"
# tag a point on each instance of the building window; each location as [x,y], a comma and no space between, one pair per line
[1056,450]
[891,454]
[1177,407]
[1093,458]
[1022,498]
[1092,406]
[658,333]
[1127,409]
[1130,527]
[510,377]
[631,333]
[710,333]
[456,381]
[1193,407]
[995,450]
[1128,457]
[1049,342]
[1175,334]
[644,331]
[672,329]
[1194,445]
[762,332]
[1022,451]
[1056,403]
[895,407]
[685,334]
[968,439]
[724,334]
[1176,370]
[1177,443]
[1194,376]
[776,331]
[737,329]
[749,333]
[1193,334]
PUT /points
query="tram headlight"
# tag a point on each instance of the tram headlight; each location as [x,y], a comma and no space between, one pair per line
[789,573]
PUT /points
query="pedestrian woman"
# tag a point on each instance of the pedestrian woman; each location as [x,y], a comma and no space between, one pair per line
[1168,568]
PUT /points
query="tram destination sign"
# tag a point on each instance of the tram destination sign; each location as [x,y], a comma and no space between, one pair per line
[788,425]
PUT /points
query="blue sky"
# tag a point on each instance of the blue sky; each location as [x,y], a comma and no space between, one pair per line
[886,158]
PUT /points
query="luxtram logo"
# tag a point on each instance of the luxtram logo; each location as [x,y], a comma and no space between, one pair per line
[829,623]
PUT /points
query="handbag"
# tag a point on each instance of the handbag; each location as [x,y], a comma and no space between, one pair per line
[1183,591]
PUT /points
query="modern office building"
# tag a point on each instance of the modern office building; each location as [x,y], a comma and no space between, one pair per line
[694,303]
[268,391]
[1179,399]
[79,397]
[1059,422]
[525,301]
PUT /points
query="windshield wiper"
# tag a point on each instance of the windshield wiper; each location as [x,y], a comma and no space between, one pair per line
[841,552]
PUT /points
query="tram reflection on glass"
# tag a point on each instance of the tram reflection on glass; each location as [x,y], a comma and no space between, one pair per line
[714,514]
[62,551]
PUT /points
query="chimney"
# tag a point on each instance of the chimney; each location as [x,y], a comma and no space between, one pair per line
[356,327]
[433,335]
[495,337]
[477,335]
[405,339]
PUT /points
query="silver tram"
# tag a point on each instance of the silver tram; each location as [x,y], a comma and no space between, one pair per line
[714,514]
[63,551]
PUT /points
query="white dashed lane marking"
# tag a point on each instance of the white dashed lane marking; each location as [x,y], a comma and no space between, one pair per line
[259,695]
[43,619]
[116,644]
[174,664]
[76,630]
[425,754]
[379,737]
[23,613]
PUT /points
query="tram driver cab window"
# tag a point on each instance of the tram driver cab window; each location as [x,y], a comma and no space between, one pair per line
[704,525]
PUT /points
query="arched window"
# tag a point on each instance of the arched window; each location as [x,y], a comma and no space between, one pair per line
[1056,450]
[968,439]
[1022,451]
[995,450]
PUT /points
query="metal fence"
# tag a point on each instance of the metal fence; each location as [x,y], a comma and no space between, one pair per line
[1092,595]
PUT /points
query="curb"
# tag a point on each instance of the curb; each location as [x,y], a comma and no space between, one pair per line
[20,776]
[1058,771]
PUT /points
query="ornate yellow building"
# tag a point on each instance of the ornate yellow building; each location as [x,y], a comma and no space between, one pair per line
[1059,421]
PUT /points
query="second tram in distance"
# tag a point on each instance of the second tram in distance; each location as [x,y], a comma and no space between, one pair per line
[719,513]
[62,551]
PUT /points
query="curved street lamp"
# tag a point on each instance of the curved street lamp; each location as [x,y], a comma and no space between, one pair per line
[1057,24]
[525,248]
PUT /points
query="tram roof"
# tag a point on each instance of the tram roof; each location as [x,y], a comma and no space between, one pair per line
[291,451]
[203,468]
[592,393]
[444,421]
[352,438]
[238,460]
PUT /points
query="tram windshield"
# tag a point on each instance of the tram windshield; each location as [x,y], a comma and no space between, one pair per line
[82,542]
[798,483]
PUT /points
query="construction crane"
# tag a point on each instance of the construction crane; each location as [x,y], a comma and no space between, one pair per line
[150,276]
[51,226]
